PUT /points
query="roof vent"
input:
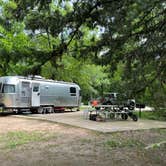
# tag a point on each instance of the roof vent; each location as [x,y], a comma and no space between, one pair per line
[35,77]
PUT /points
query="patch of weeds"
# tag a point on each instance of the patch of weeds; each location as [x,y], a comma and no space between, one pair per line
[85,141]
[160,131]
[156,145]
[134,143]
[123,143]
[13,139]
[113,144]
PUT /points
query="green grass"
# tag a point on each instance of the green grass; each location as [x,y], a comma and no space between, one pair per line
[13,139]
[153,115]
[123,143]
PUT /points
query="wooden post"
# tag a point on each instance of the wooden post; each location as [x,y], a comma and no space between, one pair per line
[140,112]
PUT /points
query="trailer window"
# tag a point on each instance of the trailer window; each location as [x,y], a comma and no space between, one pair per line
[72,91]
[8,88]
[35,89]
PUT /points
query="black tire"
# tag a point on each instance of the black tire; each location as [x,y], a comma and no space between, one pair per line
[124,116]
[131,105]
[108,103]
[92,117]
[134,117]
[18,111]
[34,111]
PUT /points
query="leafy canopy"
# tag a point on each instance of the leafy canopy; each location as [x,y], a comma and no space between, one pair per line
[125,37]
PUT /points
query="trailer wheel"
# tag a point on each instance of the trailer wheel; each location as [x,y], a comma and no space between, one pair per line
[134,117]
[40,110]
[17,111]
[124,116]
[34,111]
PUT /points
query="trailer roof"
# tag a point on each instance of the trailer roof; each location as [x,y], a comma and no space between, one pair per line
[39,78]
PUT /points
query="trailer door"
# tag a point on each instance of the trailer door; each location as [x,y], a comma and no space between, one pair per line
[35,100]
[25,94]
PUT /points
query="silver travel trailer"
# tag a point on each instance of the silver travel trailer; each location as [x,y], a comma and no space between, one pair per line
[37,94]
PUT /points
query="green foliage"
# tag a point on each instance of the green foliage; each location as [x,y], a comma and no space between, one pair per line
[159,114]
[128,43]
[89,76]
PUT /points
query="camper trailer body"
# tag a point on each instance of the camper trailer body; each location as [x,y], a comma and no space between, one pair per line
[17,92]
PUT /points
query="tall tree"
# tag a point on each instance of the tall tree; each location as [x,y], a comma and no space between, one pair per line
[126,32]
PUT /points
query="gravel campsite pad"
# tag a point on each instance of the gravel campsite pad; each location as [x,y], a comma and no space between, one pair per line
[78,119]
[32,142]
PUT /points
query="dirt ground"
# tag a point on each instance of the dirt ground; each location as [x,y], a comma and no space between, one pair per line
[70,146]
